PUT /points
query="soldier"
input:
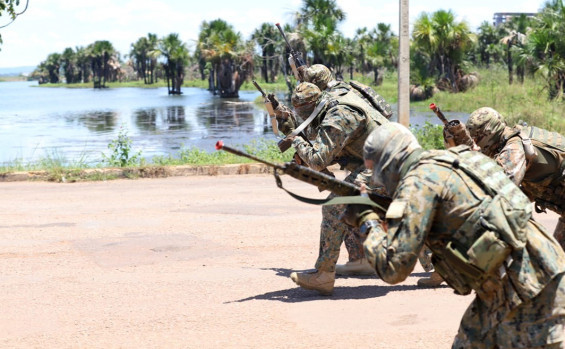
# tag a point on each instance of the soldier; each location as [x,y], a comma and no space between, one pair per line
[320,75]
[533,159]
[339,128]
[478,225]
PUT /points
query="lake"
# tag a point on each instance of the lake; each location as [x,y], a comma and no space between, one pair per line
[78,124]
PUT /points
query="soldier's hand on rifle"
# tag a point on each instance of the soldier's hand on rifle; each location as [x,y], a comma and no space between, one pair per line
[302,72]
[356,214]
[448,140]
[285,120]
[273,99]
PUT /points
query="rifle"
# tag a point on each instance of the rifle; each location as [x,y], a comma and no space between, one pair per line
[308,175]
[457,133]
[294,59]
[271,105]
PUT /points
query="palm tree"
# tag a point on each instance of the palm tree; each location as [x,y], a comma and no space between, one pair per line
[83,64]
[144,53]
[488,39]
[362,39]
[102,57]
[317,21]
[228,59]
[445,42]
[270,42]
[544,50]
[516,30]
[52,65]
[69,65]
[176,57]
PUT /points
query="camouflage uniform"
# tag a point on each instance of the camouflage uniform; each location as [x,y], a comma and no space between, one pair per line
[320,75]
[340,132]
[540,172]
[478,225]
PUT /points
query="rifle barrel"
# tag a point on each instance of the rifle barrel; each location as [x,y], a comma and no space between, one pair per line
[439,113]
[284,36]
[221,146]
[259,88]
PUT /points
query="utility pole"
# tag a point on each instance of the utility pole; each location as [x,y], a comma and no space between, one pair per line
[404,65]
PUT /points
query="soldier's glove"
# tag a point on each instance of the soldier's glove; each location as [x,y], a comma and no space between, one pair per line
[285,119]
[356,214]
[273,99]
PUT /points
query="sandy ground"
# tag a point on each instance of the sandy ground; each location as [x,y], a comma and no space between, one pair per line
[192,262]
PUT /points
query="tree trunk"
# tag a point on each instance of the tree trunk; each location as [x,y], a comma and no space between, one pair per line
[264,70]
[509,63]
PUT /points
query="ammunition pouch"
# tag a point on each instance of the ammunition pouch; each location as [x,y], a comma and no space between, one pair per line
[482,262]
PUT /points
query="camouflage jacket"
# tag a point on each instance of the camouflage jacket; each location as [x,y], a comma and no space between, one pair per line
[541,177]
[339,134]
[438,205]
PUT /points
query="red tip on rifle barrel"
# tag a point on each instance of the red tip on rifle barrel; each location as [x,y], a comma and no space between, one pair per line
[219,145]
[278,24]
[433,106]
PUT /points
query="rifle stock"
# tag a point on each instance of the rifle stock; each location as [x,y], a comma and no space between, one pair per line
[310,176]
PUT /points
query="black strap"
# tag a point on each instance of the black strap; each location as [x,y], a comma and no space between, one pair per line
[298,197]
[340,200]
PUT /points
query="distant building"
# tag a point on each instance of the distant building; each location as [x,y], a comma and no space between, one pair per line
[503,17]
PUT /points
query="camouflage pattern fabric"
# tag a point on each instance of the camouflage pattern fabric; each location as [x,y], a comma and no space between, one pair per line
[434,206]
[538,182]
[542,177]
[319,75]
[304,99]
[485,126]
[341,126]
[336,136]
[425,259]
[516,328]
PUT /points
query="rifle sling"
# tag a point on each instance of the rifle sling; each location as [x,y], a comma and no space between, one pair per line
[339,200]
[298,197]
[307,122]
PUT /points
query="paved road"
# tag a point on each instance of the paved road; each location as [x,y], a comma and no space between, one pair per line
[191,262]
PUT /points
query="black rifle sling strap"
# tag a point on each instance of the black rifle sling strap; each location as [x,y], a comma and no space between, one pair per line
[339,200]
[298,197]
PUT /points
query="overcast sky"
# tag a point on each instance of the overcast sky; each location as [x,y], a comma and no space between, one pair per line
[51,26]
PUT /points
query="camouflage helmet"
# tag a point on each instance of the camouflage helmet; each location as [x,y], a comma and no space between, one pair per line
[387,147]
[319,75]
[486,127]
[304,98]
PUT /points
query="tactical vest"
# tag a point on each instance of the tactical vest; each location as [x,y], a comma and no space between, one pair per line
[474,256]
[548,192]
[354,150]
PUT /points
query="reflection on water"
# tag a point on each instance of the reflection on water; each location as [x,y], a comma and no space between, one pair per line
[80,123]
[95,121]
[150,120]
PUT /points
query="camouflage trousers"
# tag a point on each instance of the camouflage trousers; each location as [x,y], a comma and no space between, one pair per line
[536,323]
[333,232]
[559,232]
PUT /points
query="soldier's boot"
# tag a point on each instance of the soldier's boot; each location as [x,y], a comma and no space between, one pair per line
[321,281]
[357,267]
[433,281]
